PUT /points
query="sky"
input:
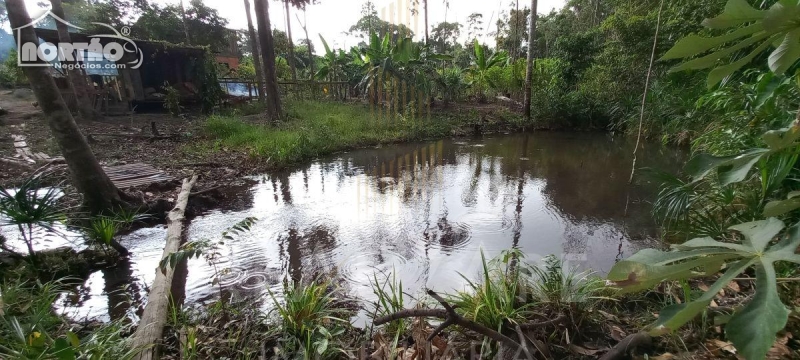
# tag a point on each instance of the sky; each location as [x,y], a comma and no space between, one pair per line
[333,17]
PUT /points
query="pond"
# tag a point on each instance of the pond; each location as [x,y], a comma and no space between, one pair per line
[423,211]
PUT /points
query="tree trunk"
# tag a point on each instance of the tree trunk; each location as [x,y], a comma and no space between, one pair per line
[426,21]
[151,326]
[185,24]
[256,52]
[529,71]
[99,193]
[274,108]
[313,64]
[80,89]
[292,66]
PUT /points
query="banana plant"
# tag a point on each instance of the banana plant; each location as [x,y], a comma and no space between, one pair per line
[480,67]
[332,63]
[333,66]
[382,61]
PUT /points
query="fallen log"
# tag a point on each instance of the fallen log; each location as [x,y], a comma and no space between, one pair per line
[151,326]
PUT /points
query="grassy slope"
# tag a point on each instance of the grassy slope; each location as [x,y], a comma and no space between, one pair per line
[318,128]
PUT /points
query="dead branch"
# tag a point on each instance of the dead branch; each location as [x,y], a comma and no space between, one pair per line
[199,164]
[523,340]
[16,163]
[624,347]
[54,161]
[532,326]
[138,136]
[450,318]
[200,192]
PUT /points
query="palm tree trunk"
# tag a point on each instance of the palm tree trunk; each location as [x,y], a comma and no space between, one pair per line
[426,22]
[185,24]
[529,70]
[312,77]
[99,193]
[274,108]
[256,52]
[78,85]
[291,46]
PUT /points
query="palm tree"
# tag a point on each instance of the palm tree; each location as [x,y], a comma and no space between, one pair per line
[259,67]
[99,193]
[291,44]
[529,69]
[80,88]
[274,106]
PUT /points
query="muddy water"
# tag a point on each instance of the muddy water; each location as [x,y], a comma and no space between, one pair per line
[422,211]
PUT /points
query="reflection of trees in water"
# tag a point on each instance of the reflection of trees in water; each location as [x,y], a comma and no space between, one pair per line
[517,228]
[585,175]
[494,180]
[286,189]
[305,248]
[121,288]
[469,197]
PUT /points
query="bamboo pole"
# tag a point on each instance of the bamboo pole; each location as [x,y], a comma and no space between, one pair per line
[151,327]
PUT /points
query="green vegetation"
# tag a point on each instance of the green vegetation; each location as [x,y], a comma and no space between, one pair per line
[30,329]
[319,128]
[495,301]
[733,202]
[311,322]
[27,207]
[10,74]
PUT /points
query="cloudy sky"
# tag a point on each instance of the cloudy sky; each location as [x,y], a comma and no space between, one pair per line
[333,17]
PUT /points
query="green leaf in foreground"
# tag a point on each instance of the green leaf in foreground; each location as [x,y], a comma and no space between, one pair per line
[752,329]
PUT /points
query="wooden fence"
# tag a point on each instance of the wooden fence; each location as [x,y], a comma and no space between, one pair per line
[302,89]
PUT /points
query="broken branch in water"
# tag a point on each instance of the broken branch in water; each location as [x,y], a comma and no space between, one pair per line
[450,318]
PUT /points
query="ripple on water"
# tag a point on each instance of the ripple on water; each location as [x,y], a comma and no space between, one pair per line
[448,235]
[485,223]
[357,267]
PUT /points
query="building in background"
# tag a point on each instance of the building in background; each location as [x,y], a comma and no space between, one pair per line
[403,12]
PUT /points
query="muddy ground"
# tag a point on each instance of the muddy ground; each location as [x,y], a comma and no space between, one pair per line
[120,140]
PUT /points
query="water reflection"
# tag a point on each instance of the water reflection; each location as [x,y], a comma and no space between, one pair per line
[424,211]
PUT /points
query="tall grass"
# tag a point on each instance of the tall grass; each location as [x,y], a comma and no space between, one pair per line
[310,320]
[565,289]
[498,299]
[318,128]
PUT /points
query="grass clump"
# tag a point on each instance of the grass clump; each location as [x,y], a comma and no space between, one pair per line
[310,320]
[499,298]
[30,329]
[317,128]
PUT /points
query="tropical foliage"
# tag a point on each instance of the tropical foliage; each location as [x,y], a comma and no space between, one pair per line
[746,186]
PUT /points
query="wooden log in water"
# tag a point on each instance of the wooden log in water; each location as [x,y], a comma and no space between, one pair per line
[151,327]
